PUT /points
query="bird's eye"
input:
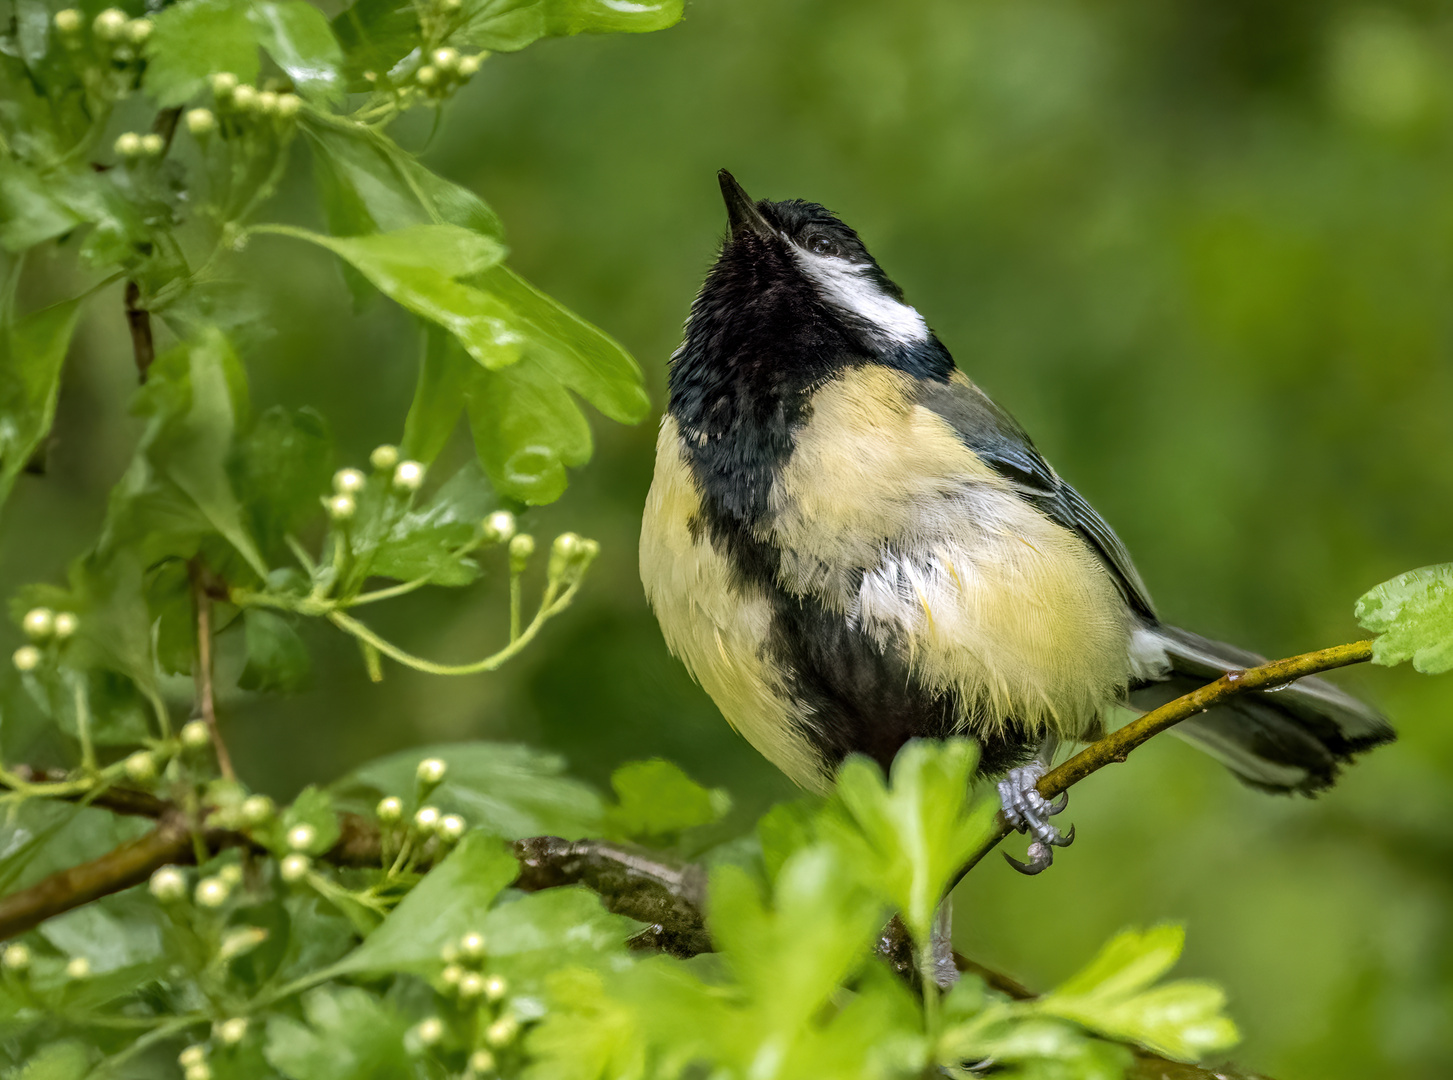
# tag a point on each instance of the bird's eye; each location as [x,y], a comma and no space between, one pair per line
[822,245]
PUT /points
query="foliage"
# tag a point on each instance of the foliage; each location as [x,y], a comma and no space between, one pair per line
[1413,617]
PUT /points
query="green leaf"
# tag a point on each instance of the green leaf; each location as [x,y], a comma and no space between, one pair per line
[297,36]
[350,1034]
[277,659]
[527,429]
[444,373]
[425,541]
[67,1059]
[510,25]
[191,41]
[530,938]
[1413,616]
[32,353]
[786,828]
[657,799]
[419,267]
[31,212]
[450,902]
[1113,996]
[909,838]
[313,807]
[279,469]
[511,791]
[376,35]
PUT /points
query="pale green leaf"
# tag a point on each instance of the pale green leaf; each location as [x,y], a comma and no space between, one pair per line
[350,1035]
[32,352]
[192,40]
[1413,616]
[656,798]
[297,36]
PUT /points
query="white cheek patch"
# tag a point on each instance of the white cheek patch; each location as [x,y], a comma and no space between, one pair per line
[849,288]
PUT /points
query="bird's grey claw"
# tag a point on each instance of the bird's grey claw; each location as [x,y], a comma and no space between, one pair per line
[1059,805]
[1066,840]
[1026,810]
[1040,856]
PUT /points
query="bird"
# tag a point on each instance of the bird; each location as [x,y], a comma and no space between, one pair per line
[850,545]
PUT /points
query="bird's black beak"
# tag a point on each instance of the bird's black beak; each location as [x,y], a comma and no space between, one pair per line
[743,217]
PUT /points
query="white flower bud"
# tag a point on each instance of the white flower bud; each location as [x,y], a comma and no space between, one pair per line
[348,481]
[26,658]
[65,625]
[39,623]
[17,958]
[68,21]
[471,985]
[244,97]
[201,122]
[232,1031]
[445,59]
[384,457]
[195,735]
[341,507]
[428,75]
[110,24]
[168,885]
[231,874]
[301,837]
[152,145]
[502,1032]
[128,145]
[451,828]
[499,527]
[138,30]
[267,102]
[408,476]
[472,945]
[451,974]
[495,988]
[521,548]
[257,810]
[429,1030]
[390,810]
[141,767]
[196,1054]
[78,967]
[289,105]
[451,5]
[294,867]
[481,1061]
[469,65]
[431,771]
[199,1071]
[563,553]
[212,892]
[223,83]
[427,818]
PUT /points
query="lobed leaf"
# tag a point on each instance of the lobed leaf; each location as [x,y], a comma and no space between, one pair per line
[32,353]
[298,38]
[657,798]
[191,41]
[349,1034]
[1413,617]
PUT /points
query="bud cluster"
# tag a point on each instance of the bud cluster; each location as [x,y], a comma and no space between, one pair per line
[43,627]
[446,70]
[570,556]
[243,100]
[114,36]
[464,977]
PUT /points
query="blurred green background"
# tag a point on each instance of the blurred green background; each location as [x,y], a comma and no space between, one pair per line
[1203,251]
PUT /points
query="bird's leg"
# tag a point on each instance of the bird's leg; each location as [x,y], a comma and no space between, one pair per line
[1026,810]
[945,971]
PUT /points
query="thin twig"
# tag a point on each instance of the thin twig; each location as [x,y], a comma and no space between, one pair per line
[138,319]
[202,671]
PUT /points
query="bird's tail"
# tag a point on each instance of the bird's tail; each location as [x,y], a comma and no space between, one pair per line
[1292,739]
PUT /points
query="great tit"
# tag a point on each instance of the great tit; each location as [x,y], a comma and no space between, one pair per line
[850,545]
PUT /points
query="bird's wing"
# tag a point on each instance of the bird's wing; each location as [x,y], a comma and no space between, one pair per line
[1001,443]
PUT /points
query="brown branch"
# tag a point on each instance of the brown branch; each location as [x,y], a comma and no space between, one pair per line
[1116,747]
[202,671]
[138,320]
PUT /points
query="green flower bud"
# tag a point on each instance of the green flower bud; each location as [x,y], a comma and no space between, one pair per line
[16,958]
[481,1061]
[294,867]
[212,892]
[128,145]
[451,974]
[469,65]
[232,1031]
[521,548]
[141,767]
[431,771]
[201,122]
[390,810]
[301,837]
[68,21]
[110,25]
[427,76]
[499,527]
[196,1054]
[152,145]
[472,945]
[289,105]
[445,59]
[223,84]
[26,658]
[231,874]
[267,102]
[138,30]
[495,988]
[471,986]
[341,507]
[168,885]
[257,810]
[195,735]
[384,457]
[199,1071]
[502,1032]
[38,624]
[78,967]
[451,828]
[429,1031]
[427,818]
[348,481]
[408,476]
[65,625]
[244,97]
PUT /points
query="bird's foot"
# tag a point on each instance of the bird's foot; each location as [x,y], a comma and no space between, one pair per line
[1026,810]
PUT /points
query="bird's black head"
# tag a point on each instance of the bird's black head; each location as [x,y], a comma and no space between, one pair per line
[794,297]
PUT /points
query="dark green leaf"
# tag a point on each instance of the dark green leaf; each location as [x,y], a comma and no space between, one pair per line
[280,469]
[657,799]
[68,1059]
[509,25]
[1413,614]
[424,542]
[30,210]
[444,374]
[191,41]
[350,1035]
[313,807]
[277,659]
[784,829]
[512,791]
[32,352]
[536,935]
[297,36]
[527,429]
[376,35]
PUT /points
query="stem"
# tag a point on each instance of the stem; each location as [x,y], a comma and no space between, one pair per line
[516,604]
[206,703]
[138,320]
[83,723]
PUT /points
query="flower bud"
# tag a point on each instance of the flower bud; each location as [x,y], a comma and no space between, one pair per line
[244,97]
[128,145]
[499,527]
[138,30]
[289,105]
[471,985]
[429,1030]
[451,828]
[231,874]
[341,507]
[223,84]
[451,5]
[168,885]
[68,21]
[301,837]
[502,1032]
[431,771]
[195,735]
[110,24]
[267,102]
[294,867]
[451,974]
[201,122]
[408,476]
[384,457]
[427,818]
[39,623]
[348,481]
[232,1031]
[521,548]
[428,75]
[141,767]
[495,988]
[481,1061]
[65,625]
[472,945]
[212,892]
[199,1071]
[196,1054]
[257,810]
[16,958]
[26,658]
[390,810]
[78,967]
[563,552]
[152,145]
[445,59]
[469,65]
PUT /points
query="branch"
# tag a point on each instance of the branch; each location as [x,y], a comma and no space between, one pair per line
[138,320]
[1116,747]
[206,699]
